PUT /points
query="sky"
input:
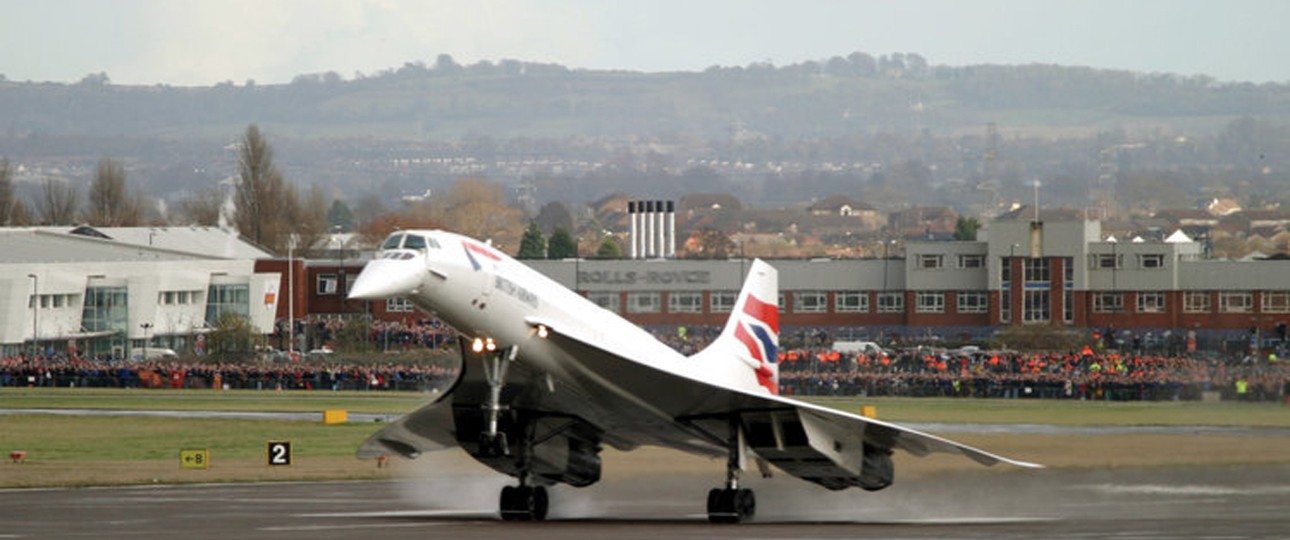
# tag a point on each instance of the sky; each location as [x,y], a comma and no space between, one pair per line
[204,42]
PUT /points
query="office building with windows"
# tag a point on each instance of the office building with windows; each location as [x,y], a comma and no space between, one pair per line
[1060,273]
[121,291]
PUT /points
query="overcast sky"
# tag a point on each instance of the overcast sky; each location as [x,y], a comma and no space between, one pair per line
[202,42]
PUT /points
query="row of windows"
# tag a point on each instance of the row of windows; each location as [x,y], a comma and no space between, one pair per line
[172,298]
[48,301]
[1108,261]
[165,298]
[803,302]
[1038,269]
[1195,302]
[936,261]
[1036,303]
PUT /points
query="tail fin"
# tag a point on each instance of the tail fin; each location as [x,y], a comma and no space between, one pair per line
[747,350]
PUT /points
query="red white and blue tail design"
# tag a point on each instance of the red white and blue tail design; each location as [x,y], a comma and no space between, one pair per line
[747,350]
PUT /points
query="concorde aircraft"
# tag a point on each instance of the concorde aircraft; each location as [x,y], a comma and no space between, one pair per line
[549,378]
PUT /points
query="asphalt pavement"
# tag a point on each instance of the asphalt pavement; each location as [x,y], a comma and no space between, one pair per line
[1229,503]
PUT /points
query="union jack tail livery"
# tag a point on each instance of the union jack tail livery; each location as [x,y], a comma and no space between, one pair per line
[746,354]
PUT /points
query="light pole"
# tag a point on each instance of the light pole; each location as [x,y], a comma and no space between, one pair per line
[145,327]
[35,314]
[340,242]
[291,298]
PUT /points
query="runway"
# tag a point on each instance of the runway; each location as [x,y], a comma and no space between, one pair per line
[1229,503]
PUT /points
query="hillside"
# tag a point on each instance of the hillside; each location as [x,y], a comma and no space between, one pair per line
[858,94]
[892,130]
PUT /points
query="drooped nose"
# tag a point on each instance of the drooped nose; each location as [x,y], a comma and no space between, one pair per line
[388,278]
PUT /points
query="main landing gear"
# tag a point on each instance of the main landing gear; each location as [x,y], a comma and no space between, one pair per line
[517,503]
[524,503]
[732,504]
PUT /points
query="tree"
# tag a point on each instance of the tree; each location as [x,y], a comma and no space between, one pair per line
[12,210]
[339,215]
[232,338]
[110,204]
[561,245]
[965,228]
[203,208]
[368,207]
[261,195]
[475,207]
[553,216]
[609,249]
[378,227]
[709,243]
[532,244]
[57,203]
[308,218]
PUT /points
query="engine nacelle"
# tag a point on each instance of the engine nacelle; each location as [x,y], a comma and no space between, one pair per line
[568,460]
[811,448]
[567,451]
[878,471]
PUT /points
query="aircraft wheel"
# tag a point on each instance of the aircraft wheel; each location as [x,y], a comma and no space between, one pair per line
[731,505]
[745,503]
[524,503]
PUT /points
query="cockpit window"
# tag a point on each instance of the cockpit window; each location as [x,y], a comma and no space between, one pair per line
[392,242]
[413,241]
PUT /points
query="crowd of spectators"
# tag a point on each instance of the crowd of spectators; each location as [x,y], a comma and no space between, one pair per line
[804,369]
[385,335]
[62,371]
[1012,374]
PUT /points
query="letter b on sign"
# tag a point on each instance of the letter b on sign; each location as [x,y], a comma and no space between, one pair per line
[279,453]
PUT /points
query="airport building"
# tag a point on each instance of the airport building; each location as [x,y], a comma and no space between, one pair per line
[113,290]
[123,291]
[1063,273]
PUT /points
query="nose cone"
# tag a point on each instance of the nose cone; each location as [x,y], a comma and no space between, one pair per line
[386,278]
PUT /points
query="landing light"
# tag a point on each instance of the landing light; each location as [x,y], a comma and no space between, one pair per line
[542,331]
[490,345]
[477,346]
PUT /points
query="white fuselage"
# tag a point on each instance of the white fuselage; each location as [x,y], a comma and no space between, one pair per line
[481,292]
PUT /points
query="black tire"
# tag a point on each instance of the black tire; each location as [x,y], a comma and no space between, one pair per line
[723,506]
[524,503]
[745,504]
[540,503]
[509,503]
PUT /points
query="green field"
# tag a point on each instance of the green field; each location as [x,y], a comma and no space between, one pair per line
[82,450]
[948,410]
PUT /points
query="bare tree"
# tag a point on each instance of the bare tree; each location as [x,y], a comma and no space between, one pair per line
[57,203]
[309,217]
[476,207]
[203,208]
[110,204]
[261,195]
[12,210]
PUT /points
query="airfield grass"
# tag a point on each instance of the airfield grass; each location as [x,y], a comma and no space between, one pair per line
[115,450]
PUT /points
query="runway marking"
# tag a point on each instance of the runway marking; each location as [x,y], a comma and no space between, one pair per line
[286,528]
[1184,490]
[403,513]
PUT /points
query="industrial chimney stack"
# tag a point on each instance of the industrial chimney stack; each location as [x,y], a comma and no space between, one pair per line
[653,229]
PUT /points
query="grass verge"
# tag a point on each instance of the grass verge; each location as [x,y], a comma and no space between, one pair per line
[116,450]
